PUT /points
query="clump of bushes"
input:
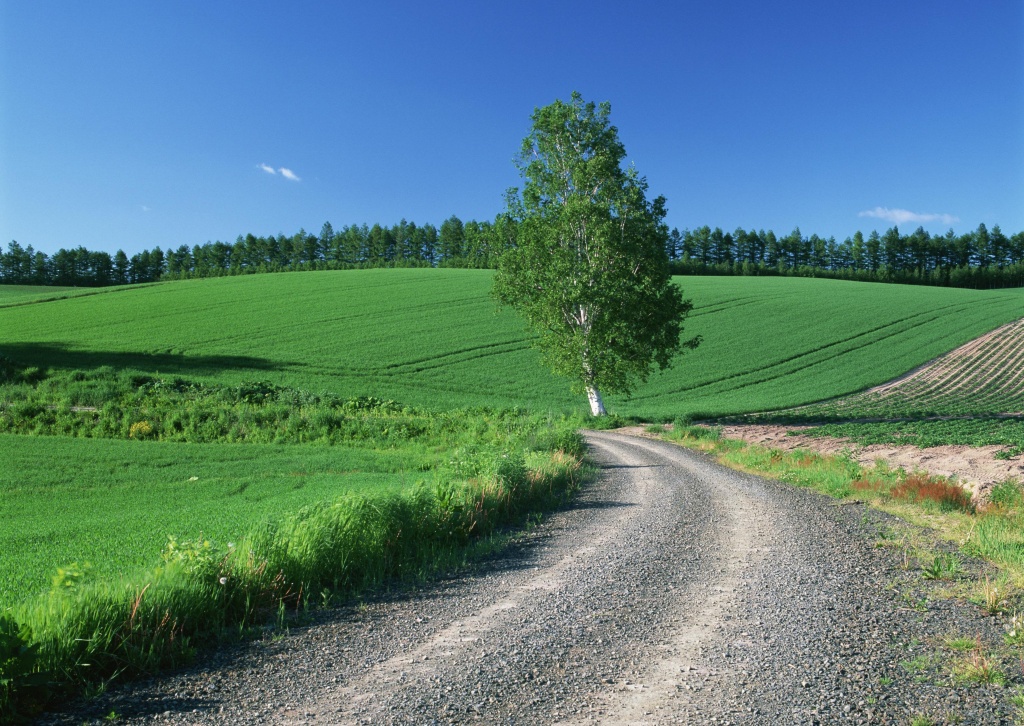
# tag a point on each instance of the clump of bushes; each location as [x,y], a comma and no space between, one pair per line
[923,489]
[104,403]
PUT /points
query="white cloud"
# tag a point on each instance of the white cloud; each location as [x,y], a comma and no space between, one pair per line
[268,169]
[902,216]
[288,174]
[145,208]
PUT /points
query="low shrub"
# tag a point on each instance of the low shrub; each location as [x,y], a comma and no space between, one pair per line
[1006,495]
[682,430]
[20,672]
[140,430]
[920,488]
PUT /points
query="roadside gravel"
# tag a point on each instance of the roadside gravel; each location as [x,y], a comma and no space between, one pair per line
[672,591]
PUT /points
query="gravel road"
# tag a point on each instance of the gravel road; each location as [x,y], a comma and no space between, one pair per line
[672,591]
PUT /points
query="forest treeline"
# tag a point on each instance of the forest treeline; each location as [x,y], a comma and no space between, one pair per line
[980,259]
[455,244]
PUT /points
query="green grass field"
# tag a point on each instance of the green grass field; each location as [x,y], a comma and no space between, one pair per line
[434,338]
[431,340]
[114,503]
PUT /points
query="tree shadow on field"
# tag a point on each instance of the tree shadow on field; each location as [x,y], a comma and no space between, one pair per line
[64,356]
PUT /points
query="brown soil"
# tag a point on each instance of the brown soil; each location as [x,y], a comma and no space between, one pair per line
[973,466]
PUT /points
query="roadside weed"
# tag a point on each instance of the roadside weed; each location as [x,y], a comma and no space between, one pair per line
[1017,701]
[959,642]
[914,602]
[914,665]
[326,598]
[943,567]
[1015,631]
[905,564]
[994,595]
[978,667]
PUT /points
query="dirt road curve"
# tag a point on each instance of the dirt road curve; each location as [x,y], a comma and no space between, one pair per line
[673,591]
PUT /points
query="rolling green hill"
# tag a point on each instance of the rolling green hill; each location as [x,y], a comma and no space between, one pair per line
[433,338]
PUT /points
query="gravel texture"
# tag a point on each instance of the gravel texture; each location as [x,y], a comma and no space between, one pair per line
[672,591]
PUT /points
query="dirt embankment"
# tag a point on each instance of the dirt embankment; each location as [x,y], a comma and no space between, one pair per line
[973,466]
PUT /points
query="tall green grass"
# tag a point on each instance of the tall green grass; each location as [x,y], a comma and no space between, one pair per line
[433,338]
[87,628]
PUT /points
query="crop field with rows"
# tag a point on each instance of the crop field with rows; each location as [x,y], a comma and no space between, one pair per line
[973,395]
[982,377]
[434,338]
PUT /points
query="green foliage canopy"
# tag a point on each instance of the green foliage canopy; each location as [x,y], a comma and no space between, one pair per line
[588,269]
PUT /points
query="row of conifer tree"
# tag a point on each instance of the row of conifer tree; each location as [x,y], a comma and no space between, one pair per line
[980,259]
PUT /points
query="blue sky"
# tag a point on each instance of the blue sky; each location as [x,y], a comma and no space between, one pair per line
[135,124]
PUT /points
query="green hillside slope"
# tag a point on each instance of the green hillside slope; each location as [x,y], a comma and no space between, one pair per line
[433,337]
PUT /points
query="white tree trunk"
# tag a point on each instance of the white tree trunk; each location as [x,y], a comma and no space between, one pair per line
[596,404]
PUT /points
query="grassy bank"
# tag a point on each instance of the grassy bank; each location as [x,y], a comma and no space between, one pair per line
[114,503]
[105,465]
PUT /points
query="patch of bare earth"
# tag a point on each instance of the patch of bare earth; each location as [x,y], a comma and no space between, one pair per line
[973,466]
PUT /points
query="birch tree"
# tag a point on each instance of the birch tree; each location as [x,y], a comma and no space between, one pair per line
[588,268]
